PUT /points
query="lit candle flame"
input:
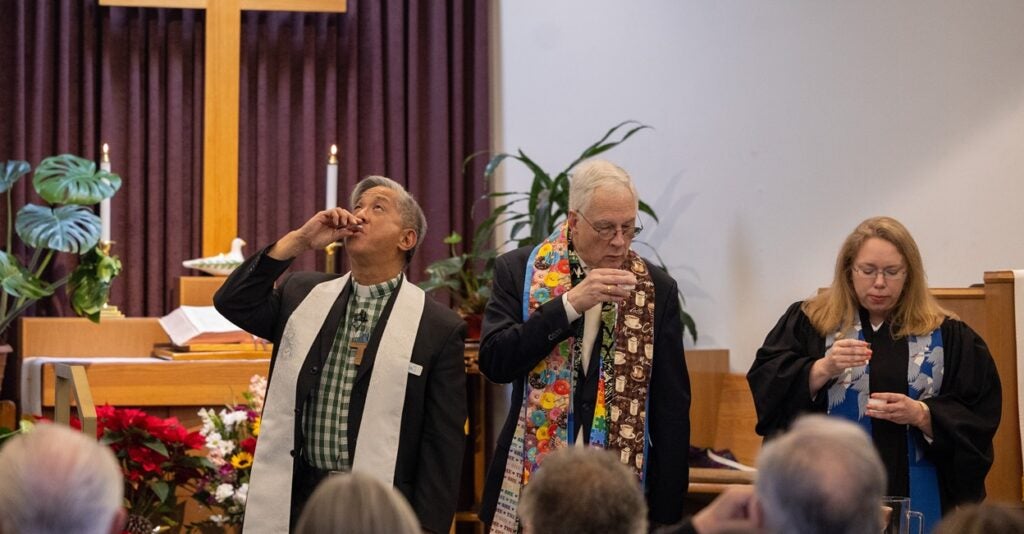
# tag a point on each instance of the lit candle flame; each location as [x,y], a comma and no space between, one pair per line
[106,152]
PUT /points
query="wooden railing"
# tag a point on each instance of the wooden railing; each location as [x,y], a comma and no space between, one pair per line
[72,382]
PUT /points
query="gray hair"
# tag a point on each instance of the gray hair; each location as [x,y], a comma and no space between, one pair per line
[357,503]
[824,475]
[56,479]
[412,213]
[584,491]
[593,174]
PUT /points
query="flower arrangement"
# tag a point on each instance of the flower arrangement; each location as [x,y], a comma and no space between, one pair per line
[156,458]
[230,442]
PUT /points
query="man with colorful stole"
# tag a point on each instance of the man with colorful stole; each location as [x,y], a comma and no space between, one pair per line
[589,334]
[367,374]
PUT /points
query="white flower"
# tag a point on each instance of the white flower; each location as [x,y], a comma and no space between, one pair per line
[231,419]
[216,445]
[207,418]
[258,389]
[224,492]
[241,493]
[218,519]
[216,458]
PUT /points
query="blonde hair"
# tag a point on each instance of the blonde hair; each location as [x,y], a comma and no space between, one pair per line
[357,503]
[916,312]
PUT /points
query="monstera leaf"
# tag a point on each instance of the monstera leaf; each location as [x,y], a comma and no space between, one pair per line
[65,228]
[19,282]
[67,179]
[71,186]
[11,172]
[89,286]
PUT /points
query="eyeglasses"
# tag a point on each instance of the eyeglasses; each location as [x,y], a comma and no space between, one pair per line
[871,273]
[608,230]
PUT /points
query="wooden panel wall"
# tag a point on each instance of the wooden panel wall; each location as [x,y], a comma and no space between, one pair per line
[989,311]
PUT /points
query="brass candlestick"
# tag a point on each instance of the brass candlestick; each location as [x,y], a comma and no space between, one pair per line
[108,311]
[330,263]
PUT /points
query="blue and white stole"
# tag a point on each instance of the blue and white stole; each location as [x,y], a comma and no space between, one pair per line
[848,398]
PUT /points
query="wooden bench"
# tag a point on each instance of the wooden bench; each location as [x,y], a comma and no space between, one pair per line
[722,416]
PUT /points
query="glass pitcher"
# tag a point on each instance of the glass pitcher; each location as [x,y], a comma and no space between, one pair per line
[896,515]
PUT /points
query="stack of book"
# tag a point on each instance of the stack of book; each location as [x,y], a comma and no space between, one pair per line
[200,333]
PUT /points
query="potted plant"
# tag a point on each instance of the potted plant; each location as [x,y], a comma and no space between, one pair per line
[70,185]
[547,201]
[466,276]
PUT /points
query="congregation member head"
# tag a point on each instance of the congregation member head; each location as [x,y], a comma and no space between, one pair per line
[585,491]
[581,324]
[824,475]
[369,373]
[56,480]
[984,518]
[355,503]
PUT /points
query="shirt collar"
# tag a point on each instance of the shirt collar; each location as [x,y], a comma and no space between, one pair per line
[380,290]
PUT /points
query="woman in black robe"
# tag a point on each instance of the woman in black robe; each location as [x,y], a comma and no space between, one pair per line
[916,378]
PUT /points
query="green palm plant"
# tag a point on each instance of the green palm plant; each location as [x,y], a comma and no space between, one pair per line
[535,214]
[70,185]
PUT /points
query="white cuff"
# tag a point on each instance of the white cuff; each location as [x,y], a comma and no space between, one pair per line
[570,313]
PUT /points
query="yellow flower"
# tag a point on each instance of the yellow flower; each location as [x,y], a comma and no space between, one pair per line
[256,426]
[241,460]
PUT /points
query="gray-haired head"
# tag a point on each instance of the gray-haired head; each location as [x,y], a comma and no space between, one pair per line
[56,479]
[358,503]
[584,491]
[594,174]
[824,475]
[412,213]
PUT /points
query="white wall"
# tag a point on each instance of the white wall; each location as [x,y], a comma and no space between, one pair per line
[779,126]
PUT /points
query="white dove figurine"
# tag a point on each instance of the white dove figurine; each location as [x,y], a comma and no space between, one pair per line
[222,264]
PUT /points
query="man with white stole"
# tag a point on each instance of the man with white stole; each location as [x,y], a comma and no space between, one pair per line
[367,374]
[589,334]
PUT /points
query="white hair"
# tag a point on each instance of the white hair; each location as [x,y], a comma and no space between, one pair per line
[357,503]
[592,175]
[824,475]
[56,479]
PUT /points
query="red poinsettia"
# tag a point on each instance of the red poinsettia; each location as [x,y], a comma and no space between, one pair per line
[157,457]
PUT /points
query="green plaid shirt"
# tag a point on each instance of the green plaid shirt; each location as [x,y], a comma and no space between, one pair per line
[326,419]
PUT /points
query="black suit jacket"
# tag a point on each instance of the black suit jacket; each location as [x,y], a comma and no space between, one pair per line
[432,439]
[510,348]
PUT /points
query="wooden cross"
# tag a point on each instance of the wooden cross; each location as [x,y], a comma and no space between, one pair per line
[220,95]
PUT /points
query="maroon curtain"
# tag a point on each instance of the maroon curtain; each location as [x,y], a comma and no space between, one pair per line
[400,86]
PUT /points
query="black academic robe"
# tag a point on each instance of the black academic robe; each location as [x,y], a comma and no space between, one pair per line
[432,438]
[510,348]
[965,413]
